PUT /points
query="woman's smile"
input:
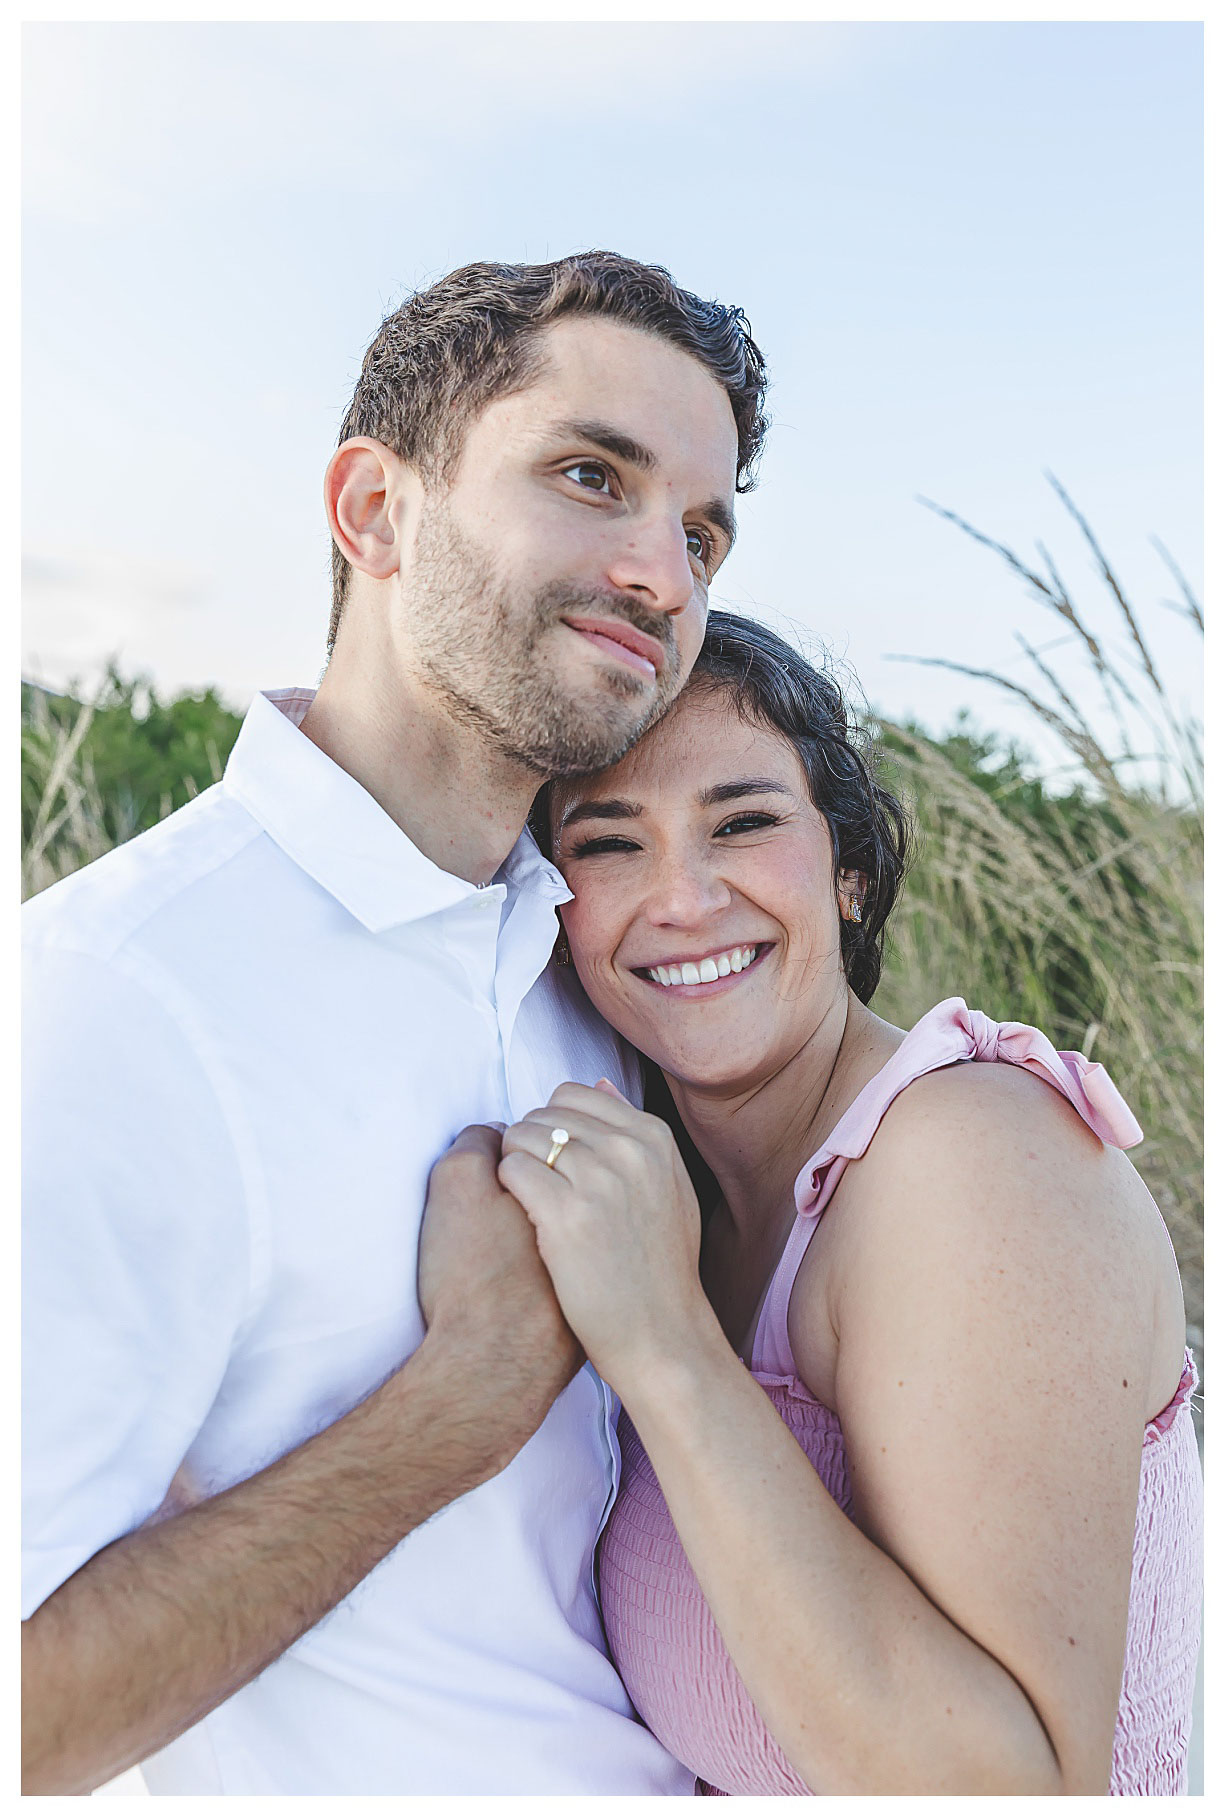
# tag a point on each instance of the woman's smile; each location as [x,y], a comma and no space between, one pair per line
[688,978]
[705,920]
[732,879]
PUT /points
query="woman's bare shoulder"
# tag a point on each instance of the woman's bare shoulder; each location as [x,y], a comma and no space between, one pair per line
[985,1194]
[989,1145]
[983,1108]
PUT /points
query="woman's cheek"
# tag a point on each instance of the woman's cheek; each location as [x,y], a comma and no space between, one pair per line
[591,949]
[581,939]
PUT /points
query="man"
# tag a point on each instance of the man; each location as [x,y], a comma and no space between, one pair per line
[253,1031]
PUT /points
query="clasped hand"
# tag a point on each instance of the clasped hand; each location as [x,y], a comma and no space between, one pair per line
[616,1221]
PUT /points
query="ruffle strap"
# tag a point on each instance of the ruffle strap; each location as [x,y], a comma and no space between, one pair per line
[1086,1084]
[949,1033]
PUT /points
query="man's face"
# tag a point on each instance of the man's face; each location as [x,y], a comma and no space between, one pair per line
[555,595]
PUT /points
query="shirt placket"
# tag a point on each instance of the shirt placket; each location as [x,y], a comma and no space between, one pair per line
[525,947]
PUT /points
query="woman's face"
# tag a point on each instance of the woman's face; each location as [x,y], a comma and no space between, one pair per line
[705,920]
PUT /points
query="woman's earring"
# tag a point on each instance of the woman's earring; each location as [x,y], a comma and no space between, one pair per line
[850,883]
[561,949]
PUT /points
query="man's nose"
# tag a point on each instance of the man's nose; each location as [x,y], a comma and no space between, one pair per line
[653,562]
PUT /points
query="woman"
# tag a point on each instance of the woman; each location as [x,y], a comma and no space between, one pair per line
[946,1281]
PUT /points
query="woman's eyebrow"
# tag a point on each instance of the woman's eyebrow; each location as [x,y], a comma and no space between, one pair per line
[746,785]
[595,809]
[610,808]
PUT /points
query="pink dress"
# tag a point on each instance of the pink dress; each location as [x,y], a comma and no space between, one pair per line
[661,1632]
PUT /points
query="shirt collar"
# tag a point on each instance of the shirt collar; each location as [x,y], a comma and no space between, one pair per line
[324,820]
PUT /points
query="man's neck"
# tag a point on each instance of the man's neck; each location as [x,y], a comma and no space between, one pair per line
[462,805]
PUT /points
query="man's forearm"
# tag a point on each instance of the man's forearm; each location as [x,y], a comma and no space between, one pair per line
[167,1622]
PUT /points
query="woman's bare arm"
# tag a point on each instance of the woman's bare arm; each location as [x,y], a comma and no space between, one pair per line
[995,1317]
[994,1311]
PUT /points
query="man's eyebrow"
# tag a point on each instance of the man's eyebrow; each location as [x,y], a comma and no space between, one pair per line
[636,454]
[746,785]
[613,441]
[716,512]
[599,810]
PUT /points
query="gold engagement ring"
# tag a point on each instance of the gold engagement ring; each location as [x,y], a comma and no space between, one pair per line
[559,1138]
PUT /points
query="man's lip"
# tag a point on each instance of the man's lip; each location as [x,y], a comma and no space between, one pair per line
[619,632]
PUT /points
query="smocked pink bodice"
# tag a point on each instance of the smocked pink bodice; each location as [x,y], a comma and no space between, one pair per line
[661,1632]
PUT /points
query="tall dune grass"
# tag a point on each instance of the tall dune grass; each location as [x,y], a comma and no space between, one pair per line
[1076,906]
[64,815]
[95,772]
[1079,909]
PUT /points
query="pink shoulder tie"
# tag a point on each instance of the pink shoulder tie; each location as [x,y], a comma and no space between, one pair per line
[946,1034]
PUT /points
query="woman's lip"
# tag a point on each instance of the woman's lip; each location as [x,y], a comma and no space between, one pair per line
[629,647]
[714,984]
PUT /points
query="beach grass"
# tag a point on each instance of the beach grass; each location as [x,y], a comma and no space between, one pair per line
[1074,899]
[1071,898]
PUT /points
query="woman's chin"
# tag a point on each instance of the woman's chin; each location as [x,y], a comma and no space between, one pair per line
[717,1063]
[708,1072]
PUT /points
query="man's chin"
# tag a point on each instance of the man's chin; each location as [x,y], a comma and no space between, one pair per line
[590,738]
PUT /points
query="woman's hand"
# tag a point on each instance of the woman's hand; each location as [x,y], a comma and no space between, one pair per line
[616,1221]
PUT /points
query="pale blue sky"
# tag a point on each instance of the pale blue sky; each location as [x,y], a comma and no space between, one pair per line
[970,253]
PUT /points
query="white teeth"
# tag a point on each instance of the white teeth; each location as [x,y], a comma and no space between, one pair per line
[704,971]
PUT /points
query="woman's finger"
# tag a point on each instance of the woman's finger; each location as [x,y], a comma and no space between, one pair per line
[539,1189]
[606,1106]
[538,1138]
[579,1126]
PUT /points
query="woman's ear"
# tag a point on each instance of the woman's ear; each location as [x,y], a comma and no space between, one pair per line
[852,891]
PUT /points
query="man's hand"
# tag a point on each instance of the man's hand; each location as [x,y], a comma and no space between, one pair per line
[483,1285]
[166,1622]
[163,1624]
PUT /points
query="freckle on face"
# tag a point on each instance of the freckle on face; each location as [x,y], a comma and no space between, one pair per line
[760,890]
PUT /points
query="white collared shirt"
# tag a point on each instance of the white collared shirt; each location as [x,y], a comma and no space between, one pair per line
[250,1033]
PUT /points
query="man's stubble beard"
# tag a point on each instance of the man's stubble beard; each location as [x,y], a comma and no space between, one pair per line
[478,647]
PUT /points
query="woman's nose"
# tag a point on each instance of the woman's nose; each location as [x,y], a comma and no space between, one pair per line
[686,892]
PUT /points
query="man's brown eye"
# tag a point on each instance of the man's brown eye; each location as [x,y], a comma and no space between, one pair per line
[697,544]
[589,474]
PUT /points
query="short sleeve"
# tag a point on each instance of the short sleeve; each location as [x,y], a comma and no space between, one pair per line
[134,1257]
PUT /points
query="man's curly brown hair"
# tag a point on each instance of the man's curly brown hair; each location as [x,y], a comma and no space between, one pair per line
[451,349]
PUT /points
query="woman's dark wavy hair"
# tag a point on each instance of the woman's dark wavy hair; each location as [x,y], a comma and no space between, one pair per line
[773,686]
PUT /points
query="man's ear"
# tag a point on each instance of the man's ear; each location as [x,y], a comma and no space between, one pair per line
[362,491]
